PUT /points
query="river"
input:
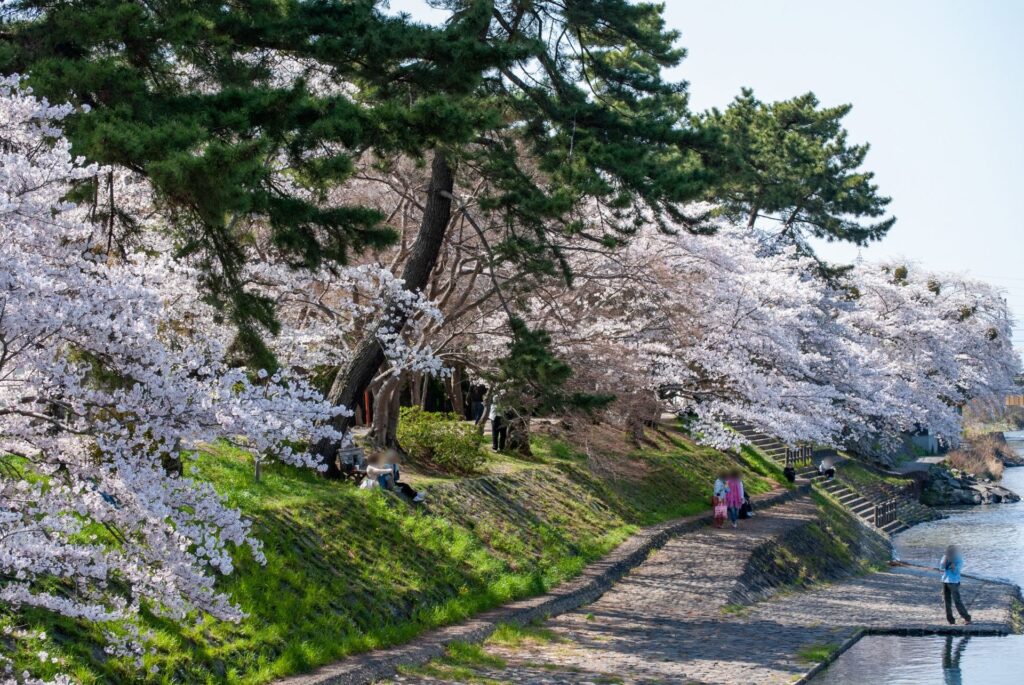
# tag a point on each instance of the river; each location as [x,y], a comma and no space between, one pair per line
[992,540]
[990,536]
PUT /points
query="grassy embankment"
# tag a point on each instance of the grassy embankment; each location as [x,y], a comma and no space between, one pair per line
[351,570]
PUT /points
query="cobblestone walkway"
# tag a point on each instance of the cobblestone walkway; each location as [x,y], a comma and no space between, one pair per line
[670,620]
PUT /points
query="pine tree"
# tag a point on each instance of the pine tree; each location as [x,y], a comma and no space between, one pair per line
[795,175]
[586,120]
[559,106]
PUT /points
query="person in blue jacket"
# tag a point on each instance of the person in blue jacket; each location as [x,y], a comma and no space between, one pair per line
[951,565]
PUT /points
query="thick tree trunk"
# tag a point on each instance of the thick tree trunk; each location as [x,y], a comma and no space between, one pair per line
[354,377]
[384,434]
[519,435]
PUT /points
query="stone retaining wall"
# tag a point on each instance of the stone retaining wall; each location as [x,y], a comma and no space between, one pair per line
[829,548]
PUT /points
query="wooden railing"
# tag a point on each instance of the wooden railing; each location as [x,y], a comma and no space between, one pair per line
[885,513]
[799,455]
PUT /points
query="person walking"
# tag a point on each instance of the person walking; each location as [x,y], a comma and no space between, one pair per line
[718,500]
[951,565]
[734,496]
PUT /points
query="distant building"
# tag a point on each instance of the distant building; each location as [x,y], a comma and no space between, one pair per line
[1017,400]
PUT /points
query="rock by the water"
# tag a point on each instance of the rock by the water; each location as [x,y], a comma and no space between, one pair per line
[945,488]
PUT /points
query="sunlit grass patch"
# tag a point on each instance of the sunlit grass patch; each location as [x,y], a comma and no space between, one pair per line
[817,652]
[509,635]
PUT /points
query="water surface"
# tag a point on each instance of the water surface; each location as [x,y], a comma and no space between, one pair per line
[992,539]
[991,536]
[938,660]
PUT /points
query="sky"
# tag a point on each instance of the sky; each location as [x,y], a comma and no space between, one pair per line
[937,89]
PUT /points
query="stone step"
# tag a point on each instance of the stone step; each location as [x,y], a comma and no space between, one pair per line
[894,527]
[866,513]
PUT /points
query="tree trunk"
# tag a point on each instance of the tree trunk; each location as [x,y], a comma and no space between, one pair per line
[635,427]
[424,383]
[384,434]
[416,390]
[519,434]
[455,393]
[354,377]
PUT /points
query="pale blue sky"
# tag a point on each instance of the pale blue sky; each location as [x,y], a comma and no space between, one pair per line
[937,90]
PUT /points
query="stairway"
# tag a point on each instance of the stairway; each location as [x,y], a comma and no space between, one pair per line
[773,448]
[863,508]
[859,506]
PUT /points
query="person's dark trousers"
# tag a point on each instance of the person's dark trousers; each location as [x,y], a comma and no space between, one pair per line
[499,433]
[478,411]
[951,595]
[406,490]
[734,514]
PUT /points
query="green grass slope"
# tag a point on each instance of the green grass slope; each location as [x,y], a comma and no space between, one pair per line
[349,570]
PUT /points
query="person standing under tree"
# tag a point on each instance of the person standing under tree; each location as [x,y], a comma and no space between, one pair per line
[499,427]
[476,395]
[951,565]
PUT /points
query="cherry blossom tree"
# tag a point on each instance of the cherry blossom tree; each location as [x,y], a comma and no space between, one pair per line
[720,329]
[931,342]
[107,385]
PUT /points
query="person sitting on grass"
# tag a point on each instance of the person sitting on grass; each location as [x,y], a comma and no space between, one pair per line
[378,473]
[393,460]
[384,471]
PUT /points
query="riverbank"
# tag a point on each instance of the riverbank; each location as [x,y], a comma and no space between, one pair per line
[766,603]
[972,474]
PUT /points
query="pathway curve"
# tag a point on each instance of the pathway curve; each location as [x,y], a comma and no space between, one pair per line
[595,580]
[671,619]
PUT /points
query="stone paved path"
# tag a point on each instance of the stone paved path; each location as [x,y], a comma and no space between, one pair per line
[670,620]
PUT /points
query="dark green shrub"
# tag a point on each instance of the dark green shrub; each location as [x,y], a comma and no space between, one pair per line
[440,439]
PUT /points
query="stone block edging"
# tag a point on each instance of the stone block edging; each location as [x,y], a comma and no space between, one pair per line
[821,666]
[584,589]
